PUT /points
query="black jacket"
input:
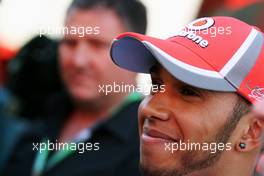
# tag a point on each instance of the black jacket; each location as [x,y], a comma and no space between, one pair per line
[118,141]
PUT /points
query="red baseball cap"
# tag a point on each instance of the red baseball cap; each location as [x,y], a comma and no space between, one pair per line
[213,53]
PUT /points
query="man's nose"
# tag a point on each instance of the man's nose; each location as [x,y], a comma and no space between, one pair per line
[155,107]
[82,55]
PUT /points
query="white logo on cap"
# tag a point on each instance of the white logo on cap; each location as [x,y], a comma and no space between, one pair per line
[257,92]
[197,25]
[201,23]
[195,38]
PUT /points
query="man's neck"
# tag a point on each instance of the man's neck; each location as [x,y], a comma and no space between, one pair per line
[77,122]
[83,118]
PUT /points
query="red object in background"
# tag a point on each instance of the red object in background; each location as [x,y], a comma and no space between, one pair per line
[5,55]
[211,6]
[237,4]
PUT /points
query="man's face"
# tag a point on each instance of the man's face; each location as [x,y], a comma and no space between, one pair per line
[85,62]
[182,113]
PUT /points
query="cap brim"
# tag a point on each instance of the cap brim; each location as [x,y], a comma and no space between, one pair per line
[138,53]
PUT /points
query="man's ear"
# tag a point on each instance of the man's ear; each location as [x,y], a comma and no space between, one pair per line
[252,133]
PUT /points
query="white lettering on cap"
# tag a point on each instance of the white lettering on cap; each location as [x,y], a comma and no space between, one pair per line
[197,25]
[195,38]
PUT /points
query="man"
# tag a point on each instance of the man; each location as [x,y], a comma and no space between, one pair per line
[202,124]
[86,115]
[33,92]
[10,126]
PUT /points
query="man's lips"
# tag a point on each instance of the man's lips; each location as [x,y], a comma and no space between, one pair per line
[153,135]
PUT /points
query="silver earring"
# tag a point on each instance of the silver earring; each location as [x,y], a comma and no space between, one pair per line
[242,145]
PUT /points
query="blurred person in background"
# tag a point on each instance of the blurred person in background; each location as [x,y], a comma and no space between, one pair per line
[10,127]
[83,114]
[33,77]
[5,56]
[27,79]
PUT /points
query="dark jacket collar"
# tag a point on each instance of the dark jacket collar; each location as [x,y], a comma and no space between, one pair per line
[118,124]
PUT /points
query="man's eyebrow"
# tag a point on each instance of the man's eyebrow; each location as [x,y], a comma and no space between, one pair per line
[203,91]
[182,84]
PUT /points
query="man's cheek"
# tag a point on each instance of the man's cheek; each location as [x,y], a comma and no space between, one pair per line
[140,127]
[66,70]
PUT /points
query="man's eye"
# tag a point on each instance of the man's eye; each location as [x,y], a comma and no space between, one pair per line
[98,44]
[186,91]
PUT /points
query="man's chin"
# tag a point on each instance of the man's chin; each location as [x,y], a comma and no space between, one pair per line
[155,156]
[148,170]
[159,164]
[83,92]
[84,97]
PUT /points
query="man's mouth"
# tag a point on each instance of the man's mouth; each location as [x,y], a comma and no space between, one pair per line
[153,135]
